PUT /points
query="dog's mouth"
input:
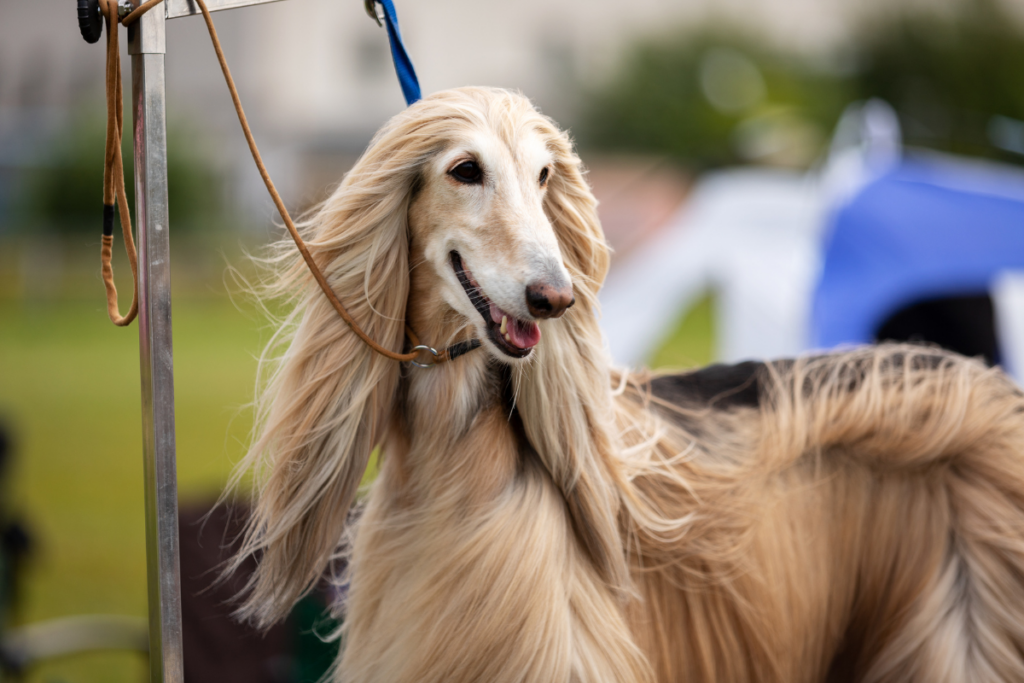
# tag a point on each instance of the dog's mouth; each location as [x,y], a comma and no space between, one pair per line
[515,337]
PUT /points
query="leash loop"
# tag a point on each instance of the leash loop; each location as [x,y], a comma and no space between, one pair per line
[438,358]
[113,178]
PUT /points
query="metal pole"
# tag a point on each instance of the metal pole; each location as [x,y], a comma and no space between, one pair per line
[147,46]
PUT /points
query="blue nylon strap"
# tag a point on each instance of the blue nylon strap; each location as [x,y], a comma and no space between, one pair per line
[403,65]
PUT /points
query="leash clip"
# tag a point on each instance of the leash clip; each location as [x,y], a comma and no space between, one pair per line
[424,347]
[375,14]
[385,15]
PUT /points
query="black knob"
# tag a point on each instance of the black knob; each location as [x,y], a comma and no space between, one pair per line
[90,20]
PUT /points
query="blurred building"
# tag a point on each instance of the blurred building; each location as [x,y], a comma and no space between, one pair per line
[316,76]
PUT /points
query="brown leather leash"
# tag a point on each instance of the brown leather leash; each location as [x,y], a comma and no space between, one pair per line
[113,187]
[113,181]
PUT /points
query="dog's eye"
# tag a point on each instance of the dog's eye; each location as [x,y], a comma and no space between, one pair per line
[544,176]
[468,172]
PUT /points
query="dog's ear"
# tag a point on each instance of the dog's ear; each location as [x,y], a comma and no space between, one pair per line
[329,397]
[572,209]
[564,393]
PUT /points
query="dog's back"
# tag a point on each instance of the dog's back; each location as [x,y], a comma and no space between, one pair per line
[854,517]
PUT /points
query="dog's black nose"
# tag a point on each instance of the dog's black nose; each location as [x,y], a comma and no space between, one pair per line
[547,301]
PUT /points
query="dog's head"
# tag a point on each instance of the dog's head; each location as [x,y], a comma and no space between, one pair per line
[501,223]
[479,224]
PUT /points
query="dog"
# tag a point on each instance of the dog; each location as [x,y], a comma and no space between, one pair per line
[542,516]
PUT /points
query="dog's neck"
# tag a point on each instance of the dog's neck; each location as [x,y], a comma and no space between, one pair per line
[561,394]
[486,421]
[437,406]
[440,402]
[455,440]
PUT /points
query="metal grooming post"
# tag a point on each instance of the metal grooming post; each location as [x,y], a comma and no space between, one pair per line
[147,46]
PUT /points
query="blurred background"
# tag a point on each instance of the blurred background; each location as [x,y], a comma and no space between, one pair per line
[775,176]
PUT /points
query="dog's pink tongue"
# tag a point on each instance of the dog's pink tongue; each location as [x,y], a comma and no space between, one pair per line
[523,334]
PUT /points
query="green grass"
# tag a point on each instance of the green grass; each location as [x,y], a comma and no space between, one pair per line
[69,388]
[692,342]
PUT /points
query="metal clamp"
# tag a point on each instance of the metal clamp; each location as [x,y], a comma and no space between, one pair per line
[424,347]
[371,9]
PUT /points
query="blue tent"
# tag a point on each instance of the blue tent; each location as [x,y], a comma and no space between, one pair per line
[924,230]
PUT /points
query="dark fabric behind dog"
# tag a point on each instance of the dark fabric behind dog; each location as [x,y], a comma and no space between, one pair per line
[217,647]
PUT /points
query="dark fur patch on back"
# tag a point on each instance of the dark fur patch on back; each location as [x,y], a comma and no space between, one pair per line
[726,387]
[717,386]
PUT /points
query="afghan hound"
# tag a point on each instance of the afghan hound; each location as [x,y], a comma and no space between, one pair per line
[541,516]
